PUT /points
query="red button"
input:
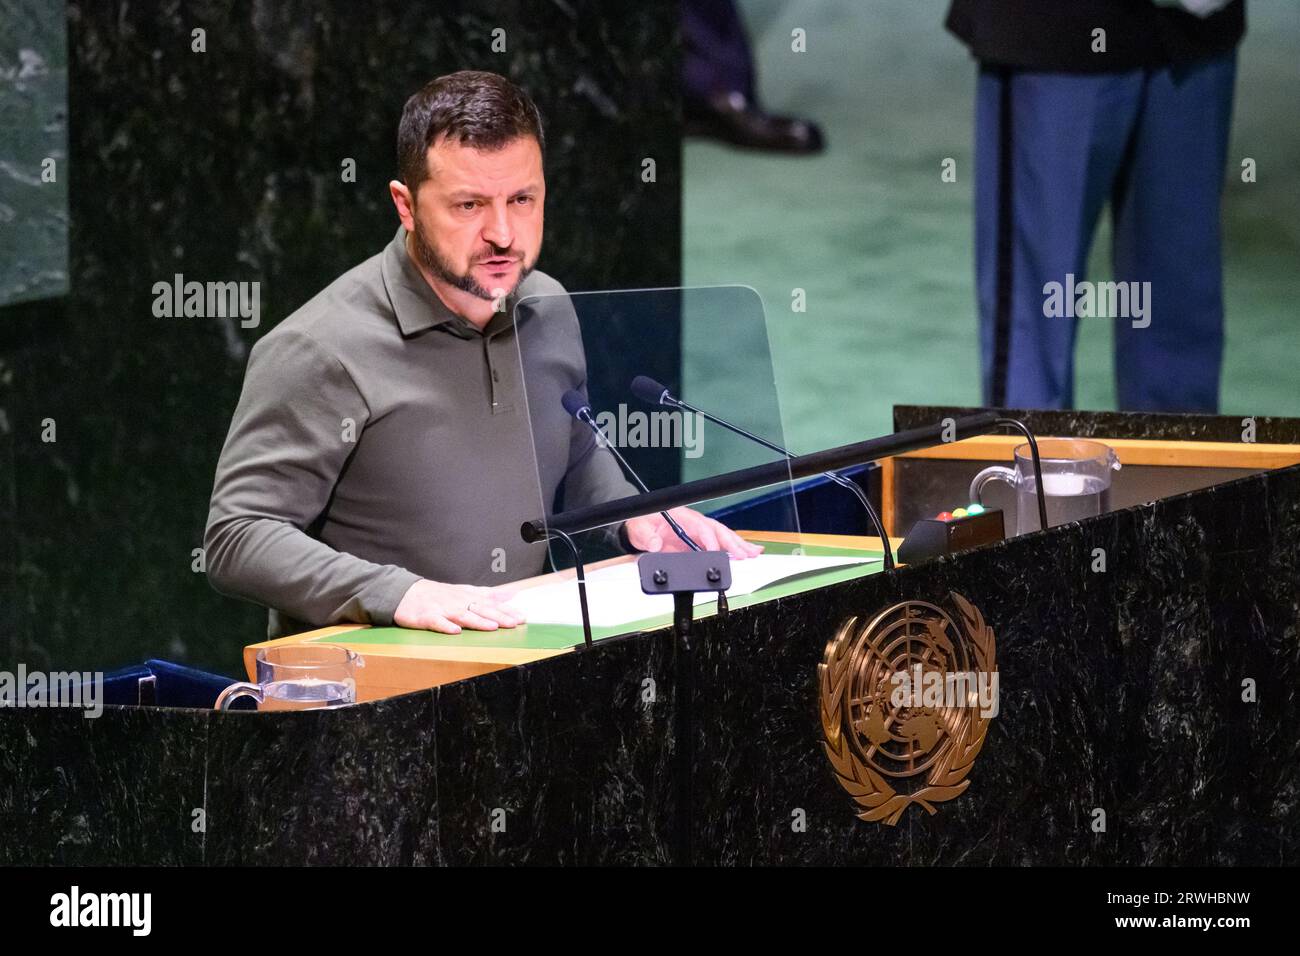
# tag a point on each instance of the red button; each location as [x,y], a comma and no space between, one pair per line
[944,516]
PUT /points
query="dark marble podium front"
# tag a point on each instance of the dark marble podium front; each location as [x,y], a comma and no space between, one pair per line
[1119,690]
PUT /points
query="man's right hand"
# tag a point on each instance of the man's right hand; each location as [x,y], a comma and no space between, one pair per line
[434,606]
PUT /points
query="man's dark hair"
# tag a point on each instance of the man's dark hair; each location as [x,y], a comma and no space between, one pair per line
[476,108]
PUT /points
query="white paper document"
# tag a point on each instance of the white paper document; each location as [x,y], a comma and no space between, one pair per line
[614,593]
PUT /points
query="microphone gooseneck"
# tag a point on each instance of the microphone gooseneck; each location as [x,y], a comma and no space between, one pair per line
[578,407]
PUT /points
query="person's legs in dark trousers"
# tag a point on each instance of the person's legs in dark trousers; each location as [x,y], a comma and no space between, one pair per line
[716,56]
[1167,232]
[1048,149]
[719,95]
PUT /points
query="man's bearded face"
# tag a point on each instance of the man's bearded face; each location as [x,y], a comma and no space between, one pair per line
[479,216]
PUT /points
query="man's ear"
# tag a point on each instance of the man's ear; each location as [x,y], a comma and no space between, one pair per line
[404,202]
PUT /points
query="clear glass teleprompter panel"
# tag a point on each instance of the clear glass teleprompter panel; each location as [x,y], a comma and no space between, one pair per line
[587,349]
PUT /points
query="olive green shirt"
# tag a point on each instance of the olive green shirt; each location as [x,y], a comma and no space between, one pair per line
[380,438]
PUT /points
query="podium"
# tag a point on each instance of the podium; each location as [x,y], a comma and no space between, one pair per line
[1146,717]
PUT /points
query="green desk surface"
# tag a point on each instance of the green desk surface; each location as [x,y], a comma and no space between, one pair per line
[560,636]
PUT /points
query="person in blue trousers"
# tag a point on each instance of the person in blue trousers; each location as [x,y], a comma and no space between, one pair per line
[1080,104]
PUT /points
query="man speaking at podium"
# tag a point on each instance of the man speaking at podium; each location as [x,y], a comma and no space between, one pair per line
[381,449]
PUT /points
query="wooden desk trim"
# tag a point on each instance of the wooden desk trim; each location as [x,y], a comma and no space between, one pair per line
[1131,451]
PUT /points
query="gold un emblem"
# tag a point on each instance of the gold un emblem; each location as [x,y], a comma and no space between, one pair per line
[906,703]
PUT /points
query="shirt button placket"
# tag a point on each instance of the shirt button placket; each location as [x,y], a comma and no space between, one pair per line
[494,377]
[503,398]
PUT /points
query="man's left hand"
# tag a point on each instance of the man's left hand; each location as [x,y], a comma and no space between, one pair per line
[652,533]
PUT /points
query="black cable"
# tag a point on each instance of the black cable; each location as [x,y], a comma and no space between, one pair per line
[1038,467]
[582,581]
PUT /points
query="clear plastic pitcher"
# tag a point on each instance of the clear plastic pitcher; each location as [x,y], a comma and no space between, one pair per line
[1076,481]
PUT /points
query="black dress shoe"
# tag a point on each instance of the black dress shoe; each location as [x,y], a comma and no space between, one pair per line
[733,119]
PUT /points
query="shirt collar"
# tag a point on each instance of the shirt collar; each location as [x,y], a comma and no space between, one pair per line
[418,307]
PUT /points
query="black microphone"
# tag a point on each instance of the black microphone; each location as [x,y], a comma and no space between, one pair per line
[650,391]
[656,393]
[577,406]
